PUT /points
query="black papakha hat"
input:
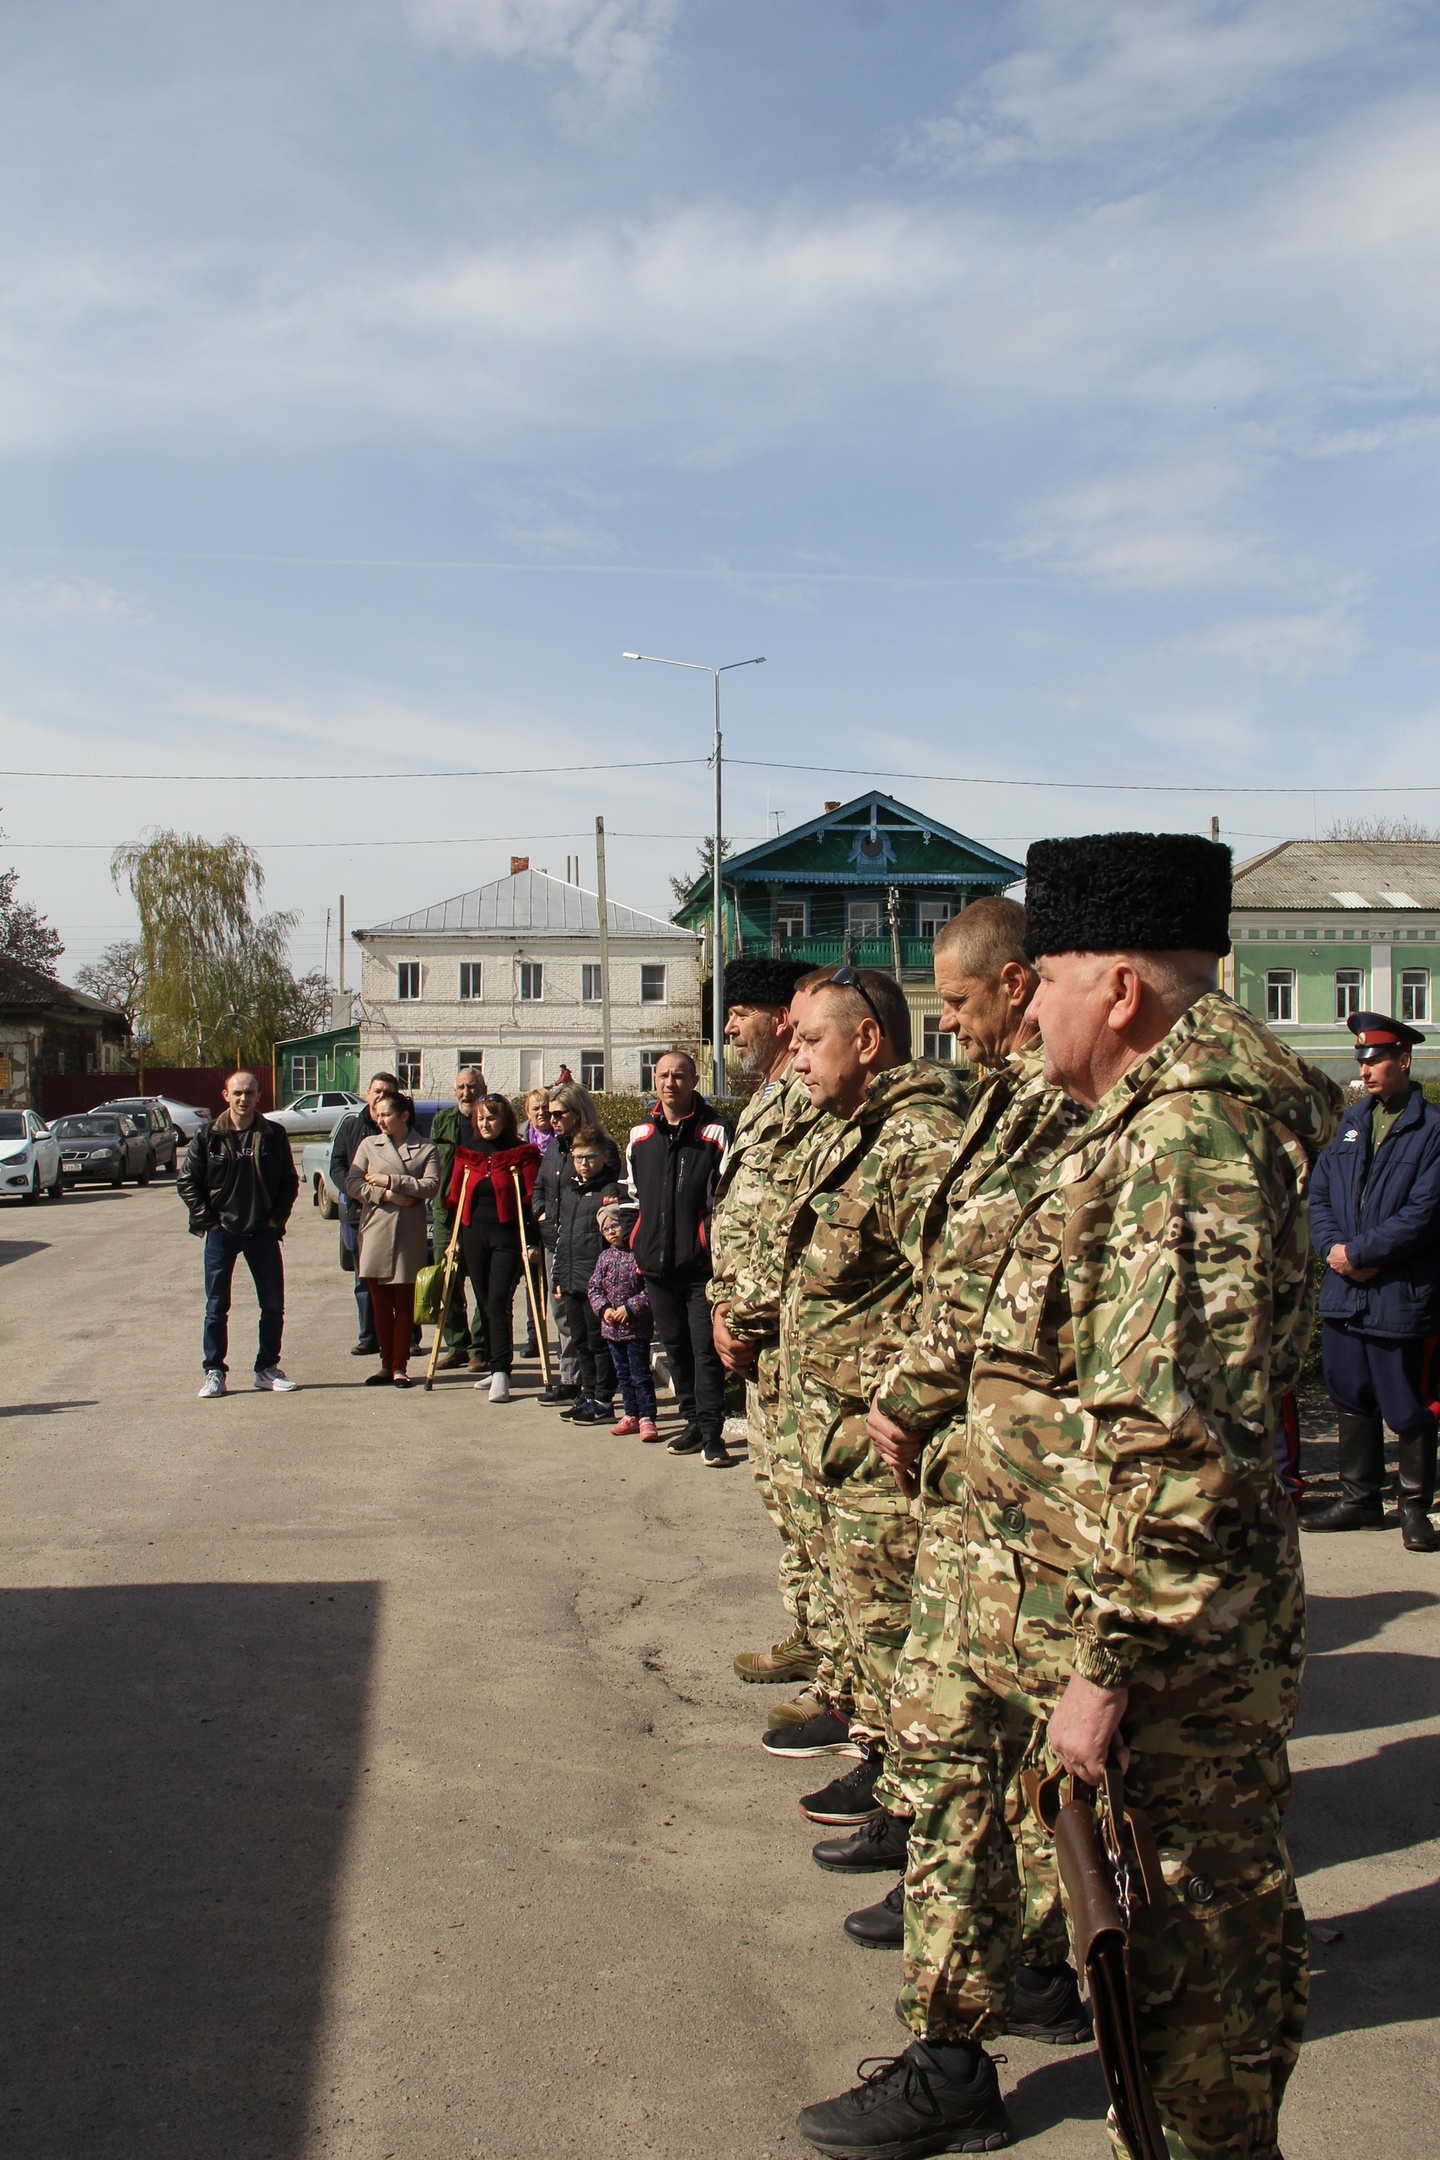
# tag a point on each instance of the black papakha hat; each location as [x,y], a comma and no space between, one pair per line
[762,981]
[1127,892]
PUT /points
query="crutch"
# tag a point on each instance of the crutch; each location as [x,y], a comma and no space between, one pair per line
[447,1281]
[537,1313]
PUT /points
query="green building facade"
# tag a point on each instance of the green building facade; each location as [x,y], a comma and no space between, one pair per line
[1325,928]
[307,1062]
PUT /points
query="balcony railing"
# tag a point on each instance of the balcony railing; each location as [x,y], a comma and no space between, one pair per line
[915,953]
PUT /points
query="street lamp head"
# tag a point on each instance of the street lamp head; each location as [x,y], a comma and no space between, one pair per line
[630,656]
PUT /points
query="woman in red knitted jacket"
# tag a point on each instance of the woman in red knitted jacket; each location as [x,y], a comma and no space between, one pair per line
[482,1192]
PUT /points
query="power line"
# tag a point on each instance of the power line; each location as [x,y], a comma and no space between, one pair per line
[469,772]
[425,840]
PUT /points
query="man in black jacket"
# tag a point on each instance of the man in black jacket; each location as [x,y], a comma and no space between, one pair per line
[359,1125]
[675,1159]
[238,1183]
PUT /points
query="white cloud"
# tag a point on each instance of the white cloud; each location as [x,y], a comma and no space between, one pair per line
[1294,648]
[64,599]
[1095,75]
[612,44]
[1164,528]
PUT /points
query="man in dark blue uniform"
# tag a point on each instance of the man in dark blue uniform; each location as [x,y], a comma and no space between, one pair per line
[1375,1222]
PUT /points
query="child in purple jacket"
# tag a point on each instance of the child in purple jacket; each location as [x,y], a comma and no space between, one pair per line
[617,1293]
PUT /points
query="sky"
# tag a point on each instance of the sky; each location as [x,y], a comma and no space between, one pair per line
[1046,390]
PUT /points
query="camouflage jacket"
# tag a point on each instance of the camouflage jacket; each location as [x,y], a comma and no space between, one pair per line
[1016,1124]
[754,1189]
[757,1195]
[1153,1300]
[867,1209]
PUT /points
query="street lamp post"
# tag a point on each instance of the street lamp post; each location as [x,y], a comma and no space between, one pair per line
[717,900]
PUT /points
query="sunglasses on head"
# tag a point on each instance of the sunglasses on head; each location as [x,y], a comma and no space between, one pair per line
[845,978]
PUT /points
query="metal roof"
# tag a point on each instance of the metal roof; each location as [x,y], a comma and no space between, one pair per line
[531,905]
[1381,876]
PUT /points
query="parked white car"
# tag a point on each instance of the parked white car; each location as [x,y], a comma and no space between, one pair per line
[319,1113]
[315,1172]
[29,1157]
[184,1116]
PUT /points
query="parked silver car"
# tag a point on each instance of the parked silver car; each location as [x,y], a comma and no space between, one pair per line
[29,1157]
[320,1112]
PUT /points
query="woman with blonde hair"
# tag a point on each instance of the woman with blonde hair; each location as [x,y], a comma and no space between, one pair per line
[392,1174]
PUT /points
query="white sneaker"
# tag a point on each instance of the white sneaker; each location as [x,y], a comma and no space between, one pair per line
[274,1379]
[214,1385]
[500,1387]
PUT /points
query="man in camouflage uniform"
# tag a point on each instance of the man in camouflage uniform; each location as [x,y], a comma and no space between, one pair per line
[867,1202]
[752,1192]
[1129,1575]
[1016,1122]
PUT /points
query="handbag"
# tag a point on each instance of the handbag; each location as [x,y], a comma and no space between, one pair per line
[1110,1872]
[427,1292]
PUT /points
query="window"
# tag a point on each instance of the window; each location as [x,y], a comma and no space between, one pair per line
[407,1070]
[652,982]
[589,983]
[1415,994]
[1349,985]
[304,1073]
[1280,994]
[592,1071]
[929,914]
[472,980]
[470,1057]
[862,918]
[532,981]
[649,1059]
[940,1049]
[306,1102]
[532,1070]
[407,981]
[791,918]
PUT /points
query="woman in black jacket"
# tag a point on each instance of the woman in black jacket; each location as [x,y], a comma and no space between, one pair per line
[585,1182]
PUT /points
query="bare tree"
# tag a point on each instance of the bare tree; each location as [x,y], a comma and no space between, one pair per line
[1380,828]
[25,935]
[116,977]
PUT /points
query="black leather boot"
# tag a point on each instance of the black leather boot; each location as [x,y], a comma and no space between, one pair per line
[1361,1505]
[1417,1490]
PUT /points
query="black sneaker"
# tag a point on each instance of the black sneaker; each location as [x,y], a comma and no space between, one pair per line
[850,1799]
[688,1441]
[875,1849]
[906,2106]
[1048,2007]
[882,1926]
[823,1734]
[717,1455]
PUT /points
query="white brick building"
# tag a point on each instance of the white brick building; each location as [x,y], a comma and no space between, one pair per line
[509,976]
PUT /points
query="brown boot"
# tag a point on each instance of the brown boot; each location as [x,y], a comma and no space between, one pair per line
[782,1664]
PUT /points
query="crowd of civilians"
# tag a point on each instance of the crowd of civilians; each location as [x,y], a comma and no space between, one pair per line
[614,1249]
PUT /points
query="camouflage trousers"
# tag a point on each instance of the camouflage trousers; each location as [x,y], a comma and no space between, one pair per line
[779,1485]
[871,1539]
[931,1723]
[1220,1974]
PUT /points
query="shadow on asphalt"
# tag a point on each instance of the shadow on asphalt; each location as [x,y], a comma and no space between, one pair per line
[20,1249]
[1368,1688]
[1069,2089]
[1335,1622]
[178,1767]
[1381,1971]
[46,1409]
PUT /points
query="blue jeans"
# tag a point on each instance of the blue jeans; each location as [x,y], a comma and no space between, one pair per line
[632,1369]
[350,1238]
[261,1251]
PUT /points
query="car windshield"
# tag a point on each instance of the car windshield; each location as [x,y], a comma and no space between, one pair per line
[12,1125]
[88,1128]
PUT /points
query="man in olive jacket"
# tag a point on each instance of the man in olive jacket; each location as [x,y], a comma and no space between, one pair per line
[238,1183]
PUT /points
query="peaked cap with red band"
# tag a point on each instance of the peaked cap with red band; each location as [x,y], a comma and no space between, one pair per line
[1377,1032]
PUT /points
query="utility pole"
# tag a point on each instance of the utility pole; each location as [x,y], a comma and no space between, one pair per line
[325,970]
[605,1052]
[1214,828]
[340,963]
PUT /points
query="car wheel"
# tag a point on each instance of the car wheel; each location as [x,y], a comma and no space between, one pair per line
[143,1177]
[57,1190]
[32,1192]
[119,1178]
[327,1207]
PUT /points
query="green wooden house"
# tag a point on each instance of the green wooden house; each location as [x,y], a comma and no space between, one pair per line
[869,882]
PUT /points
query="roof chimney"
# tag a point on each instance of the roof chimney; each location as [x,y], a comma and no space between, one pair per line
[518,863]
[832,806]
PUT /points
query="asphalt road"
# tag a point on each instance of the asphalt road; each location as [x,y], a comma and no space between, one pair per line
[376,1785]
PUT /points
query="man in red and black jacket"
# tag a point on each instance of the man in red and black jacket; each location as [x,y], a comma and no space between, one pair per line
[675,1158]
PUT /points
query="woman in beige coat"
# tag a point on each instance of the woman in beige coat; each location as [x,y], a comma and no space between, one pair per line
[392,1175]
